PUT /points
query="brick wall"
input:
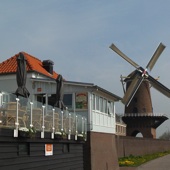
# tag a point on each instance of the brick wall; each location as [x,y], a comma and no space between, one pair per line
[139,146]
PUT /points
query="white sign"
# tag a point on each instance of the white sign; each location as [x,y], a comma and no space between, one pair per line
[48,149]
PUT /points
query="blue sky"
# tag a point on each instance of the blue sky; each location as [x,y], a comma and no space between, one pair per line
[76,36]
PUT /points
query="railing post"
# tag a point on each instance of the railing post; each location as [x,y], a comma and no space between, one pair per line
[69,126]
[1,102]
[31,125]
[85,129]
[76,129]
[82,130]
[16,123]
[43,127]
[62,129]
[53,128]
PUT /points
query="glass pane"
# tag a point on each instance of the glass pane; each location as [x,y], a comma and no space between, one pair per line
[110,107]
[101,104]
[97,102]
[93,100]
[26,115]
[105,106]
[67,100]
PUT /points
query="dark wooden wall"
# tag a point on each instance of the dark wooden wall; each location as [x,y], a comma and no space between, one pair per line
[29,154]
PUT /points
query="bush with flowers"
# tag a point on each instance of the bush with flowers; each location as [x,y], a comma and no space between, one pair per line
[27,132]
[132,161]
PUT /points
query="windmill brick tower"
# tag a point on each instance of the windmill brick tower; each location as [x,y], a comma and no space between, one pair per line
[139,115]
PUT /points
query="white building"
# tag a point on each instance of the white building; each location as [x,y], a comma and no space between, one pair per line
[93,102]
[89,100]
[95,105]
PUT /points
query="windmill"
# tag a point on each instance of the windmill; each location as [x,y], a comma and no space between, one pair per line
[137,98]
[141,74]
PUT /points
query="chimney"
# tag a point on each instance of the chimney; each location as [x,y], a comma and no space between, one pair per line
[48,65]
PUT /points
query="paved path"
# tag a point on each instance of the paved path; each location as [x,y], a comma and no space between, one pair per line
[162,163]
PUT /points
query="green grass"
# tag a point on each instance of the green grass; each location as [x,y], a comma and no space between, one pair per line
[133,161]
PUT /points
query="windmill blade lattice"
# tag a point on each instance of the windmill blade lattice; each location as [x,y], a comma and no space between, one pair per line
[155,56]
[136,82]
[115,49]
[159,86]
[141,74]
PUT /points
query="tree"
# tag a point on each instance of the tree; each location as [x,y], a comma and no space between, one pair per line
[165,136]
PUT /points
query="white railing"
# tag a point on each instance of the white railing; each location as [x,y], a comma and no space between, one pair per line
[140,114]
[27,116]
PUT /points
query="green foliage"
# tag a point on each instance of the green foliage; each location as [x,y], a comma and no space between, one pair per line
[32,131]
[165,136]
[27,132]
[132,161]
[61,134]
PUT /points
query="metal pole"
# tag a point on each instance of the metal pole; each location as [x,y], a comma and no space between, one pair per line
[62,121]
[69,125]
[31,125]
[82,130]
[43,127]
[1,103]
[52,134]
[76,129]
[17,123]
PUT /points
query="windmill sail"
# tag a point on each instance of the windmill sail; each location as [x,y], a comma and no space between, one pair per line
[155,56]
[115,49]
[141,74]
[158,86]
[134,85]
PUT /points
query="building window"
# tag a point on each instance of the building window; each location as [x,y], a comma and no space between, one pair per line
[68,100]
[110,107]
[101,104]
[104,105]
[97,102]
[94,103]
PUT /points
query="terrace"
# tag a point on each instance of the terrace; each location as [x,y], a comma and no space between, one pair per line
[33,119]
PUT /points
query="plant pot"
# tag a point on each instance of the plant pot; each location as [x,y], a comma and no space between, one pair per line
[58,136]
[64,137]
[80,138]
[26,134]
[23,134]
